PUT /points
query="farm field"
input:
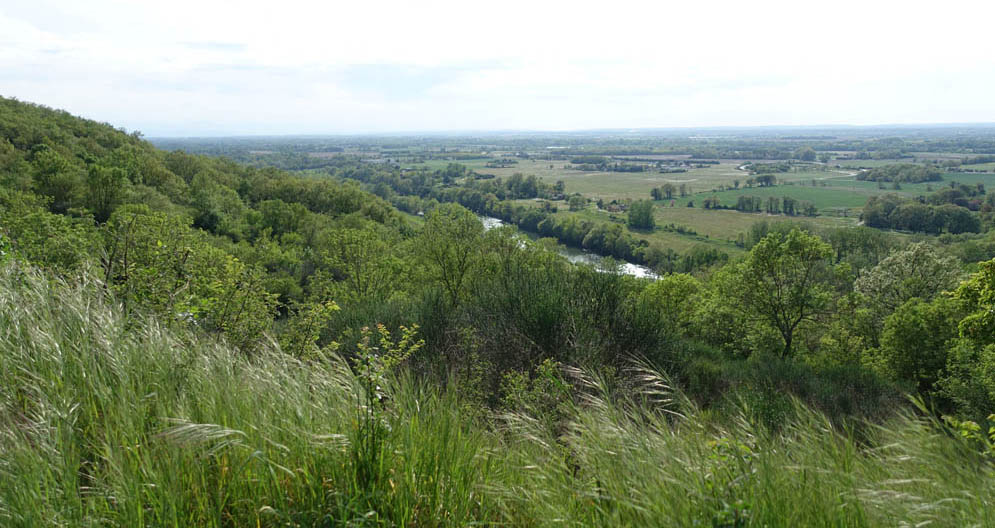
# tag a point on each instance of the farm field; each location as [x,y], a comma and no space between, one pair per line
[728,224]
[990,167]
[719,235]
[967,178]
[714,228]
[603,185]
[837,194]
[870,163]
[626,185]
[841,194]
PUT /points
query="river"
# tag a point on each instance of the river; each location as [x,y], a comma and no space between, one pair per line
[578,256]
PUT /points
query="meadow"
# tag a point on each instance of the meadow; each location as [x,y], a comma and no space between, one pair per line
[603,185]
[968,178]
[829,199]
[990,167]
[727,224]
[711,231]
[855,163]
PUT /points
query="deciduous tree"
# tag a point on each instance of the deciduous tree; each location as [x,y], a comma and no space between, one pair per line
[784,282]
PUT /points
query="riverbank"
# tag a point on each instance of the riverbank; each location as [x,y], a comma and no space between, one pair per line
[580,256]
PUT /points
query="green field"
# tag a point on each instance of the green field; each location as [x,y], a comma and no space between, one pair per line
[719,229]
[990,167]
[623,185]
[967,178]
[727,224]
[603,185]
[836,193]
[869,163]
[718,238]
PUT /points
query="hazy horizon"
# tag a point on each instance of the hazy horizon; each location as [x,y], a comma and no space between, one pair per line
[592,131]
[203,69]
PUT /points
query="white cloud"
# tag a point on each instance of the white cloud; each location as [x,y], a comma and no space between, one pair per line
[190,67]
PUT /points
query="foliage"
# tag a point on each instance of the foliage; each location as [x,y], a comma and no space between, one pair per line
[973,432]
[902,172]
[300,339]
[915,341]
[893,212]
[544,394]
[517,402]
[918,270]
[641,215]
[670,302]
[364,263]
[162,427]
[60,243]
[782,282]
[374,362]
[157,263]
[451,242]
[971,364]
[978,294]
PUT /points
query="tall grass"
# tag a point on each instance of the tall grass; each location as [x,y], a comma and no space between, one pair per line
[109,421]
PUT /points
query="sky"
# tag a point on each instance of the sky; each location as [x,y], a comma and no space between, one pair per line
[208,68]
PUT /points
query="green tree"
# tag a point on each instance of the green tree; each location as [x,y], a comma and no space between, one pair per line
[157,263]
[773,205]
[970,382]
[641,215]
[56,242]
[805,154]
[783,282]
[219,209]
[105,190]
[577,202]
[451,243]
[670,301]
[808,208]
[919,270]
[364,261]
[978,294]
[861,247]
[56,178]
[915,341]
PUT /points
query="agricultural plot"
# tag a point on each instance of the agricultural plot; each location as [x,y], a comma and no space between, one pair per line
[837,194]
[828,194]
[968,178]
[869,163]
[719,229]
[726,225]
[621,185]
[718,238]
[989,167]
[824,198]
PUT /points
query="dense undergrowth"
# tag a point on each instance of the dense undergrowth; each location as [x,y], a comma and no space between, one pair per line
[114,420]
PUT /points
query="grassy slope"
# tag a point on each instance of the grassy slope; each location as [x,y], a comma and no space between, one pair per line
[109,422]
